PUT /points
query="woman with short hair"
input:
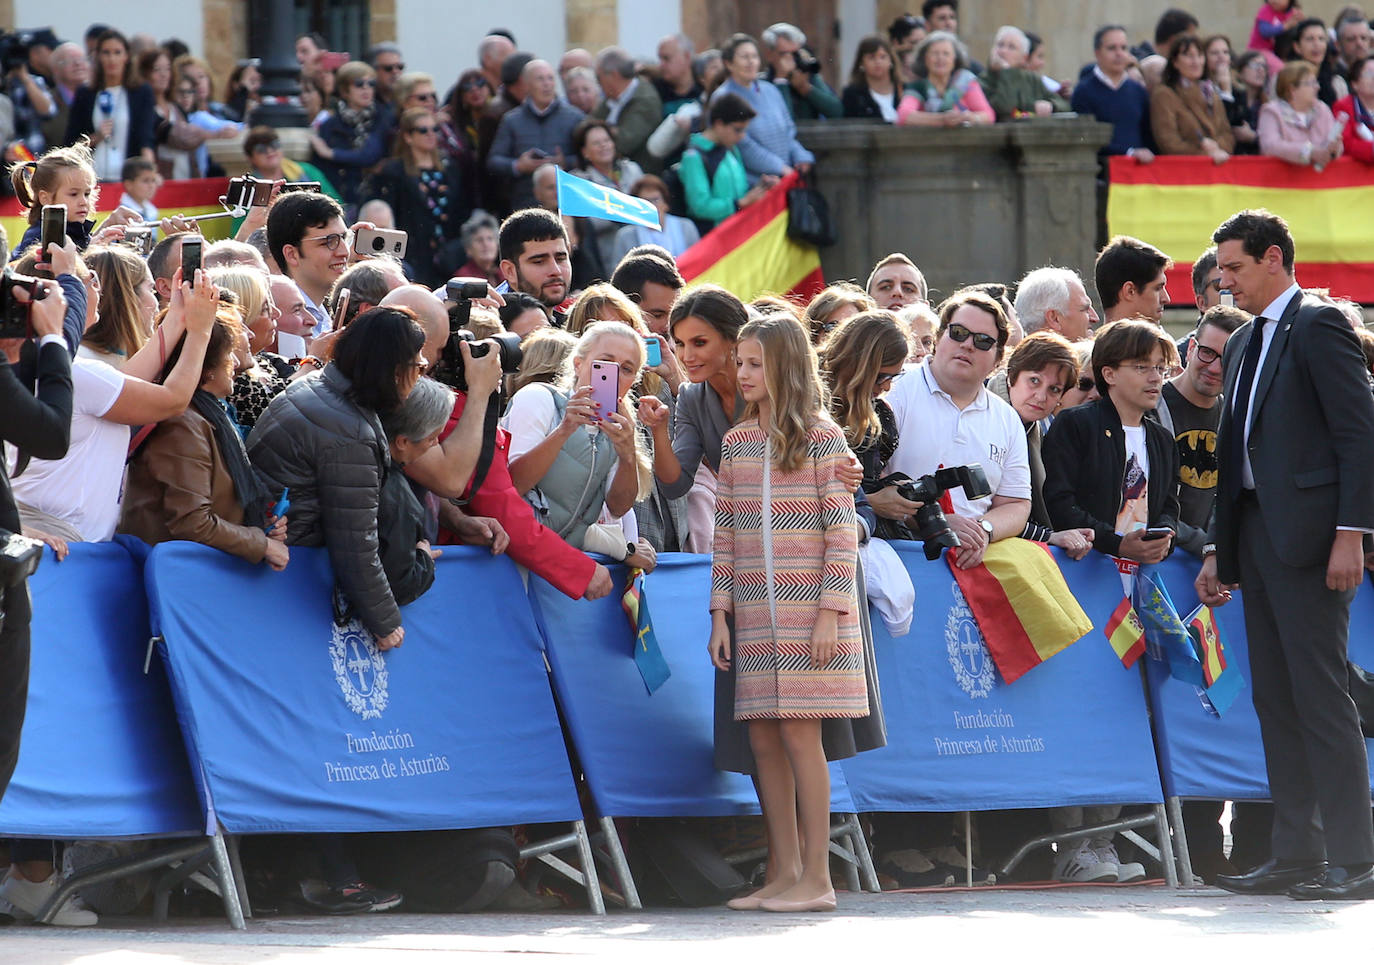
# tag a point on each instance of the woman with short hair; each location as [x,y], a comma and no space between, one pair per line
[353,137]
[1296,126]
[945,93]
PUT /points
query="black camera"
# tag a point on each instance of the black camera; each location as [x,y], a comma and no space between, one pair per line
[932,528]
[806,62]
[14,314]
[450,368]
[14,51]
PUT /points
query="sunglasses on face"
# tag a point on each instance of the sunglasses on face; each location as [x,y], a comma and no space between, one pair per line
[884,379]
[267,148]
[423,130]
[428,96]
[392,68]
[364,83]
[983,343]
[332,241]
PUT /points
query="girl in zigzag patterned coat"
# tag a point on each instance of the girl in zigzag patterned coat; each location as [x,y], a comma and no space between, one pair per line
[785,546]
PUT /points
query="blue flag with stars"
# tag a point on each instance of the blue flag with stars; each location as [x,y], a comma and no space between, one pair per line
[648,657]
[580,198]
[1165,636]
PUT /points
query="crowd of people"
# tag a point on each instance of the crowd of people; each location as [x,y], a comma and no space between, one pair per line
[288,362]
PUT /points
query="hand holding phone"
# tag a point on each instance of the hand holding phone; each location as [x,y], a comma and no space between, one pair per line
[1153,533]
[653,352]
[279,510]
[53,230]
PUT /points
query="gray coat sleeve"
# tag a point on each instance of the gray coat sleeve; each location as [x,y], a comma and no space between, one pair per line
[350,489]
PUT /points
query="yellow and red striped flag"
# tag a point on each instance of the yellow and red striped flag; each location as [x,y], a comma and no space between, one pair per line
[1126,633]
[1203,629]
[1175,203]
[1022,604]
[750,254]
[199,196]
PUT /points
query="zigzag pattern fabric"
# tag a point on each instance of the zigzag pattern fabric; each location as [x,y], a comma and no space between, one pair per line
[812,537]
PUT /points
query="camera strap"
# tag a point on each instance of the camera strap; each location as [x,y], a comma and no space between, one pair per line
[488,452]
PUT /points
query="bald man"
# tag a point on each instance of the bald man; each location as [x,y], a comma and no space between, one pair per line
[538,131]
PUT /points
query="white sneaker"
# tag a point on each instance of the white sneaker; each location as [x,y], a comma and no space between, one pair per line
[28,898]
[1126,871]
[1082,863]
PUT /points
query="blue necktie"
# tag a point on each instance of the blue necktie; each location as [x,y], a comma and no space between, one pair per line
[1240,410]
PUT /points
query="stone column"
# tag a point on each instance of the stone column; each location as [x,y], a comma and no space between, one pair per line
[281,89]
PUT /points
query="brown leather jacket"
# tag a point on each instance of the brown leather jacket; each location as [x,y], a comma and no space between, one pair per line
[179,488]
[1181,117]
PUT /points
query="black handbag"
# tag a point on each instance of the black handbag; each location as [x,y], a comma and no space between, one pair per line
[808,216]
[19,557]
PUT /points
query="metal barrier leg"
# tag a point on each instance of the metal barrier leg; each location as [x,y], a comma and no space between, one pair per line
[868,875]
[1185,858]
[1166,850]
[622,867]
[236,864]
[590,879]
[118,868]
[228,884]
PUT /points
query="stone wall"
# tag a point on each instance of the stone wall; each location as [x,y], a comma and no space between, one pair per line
[968,204]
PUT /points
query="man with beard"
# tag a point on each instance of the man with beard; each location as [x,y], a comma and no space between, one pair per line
[535,258]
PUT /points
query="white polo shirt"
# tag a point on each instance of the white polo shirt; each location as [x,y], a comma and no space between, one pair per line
[934,432]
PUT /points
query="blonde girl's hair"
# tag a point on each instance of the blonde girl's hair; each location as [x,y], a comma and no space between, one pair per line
[606,303]
[592,336]
[791,376]
[545,357]
[121,329]
[249,284]
[850,360]
[48,172]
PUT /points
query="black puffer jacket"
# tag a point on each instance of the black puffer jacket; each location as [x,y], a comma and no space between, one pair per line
[333,455]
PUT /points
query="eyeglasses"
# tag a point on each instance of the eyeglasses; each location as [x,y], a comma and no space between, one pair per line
[186,92]
[1205,355]
[472,85]
[365,83]
[1161,370]
[267,148]
[423,130]
[427,96]
[983,343]
[333,240]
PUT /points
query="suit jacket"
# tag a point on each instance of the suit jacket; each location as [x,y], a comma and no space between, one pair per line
[1085,460]
[142,118]
[1311,438]
[639,118]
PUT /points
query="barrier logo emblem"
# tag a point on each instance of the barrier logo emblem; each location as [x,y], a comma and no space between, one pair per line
[968,652]
[359,669]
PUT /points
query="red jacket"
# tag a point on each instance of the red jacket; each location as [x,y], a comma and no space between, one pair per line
[532,544]
[1355,145]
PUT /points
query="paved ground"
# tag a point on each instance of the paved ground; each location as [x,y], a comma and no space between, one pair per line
[1088,925]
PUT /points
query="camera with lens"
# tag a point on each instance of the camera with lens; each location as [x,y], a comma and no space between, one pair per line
[932,527]
[140,239]
[450,368]
[806,62]
[14,51]
[14,314]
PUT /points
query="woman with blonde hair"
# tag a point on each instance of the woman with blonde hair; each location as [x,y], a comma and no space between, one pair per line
[353,137]
[858,362]
[127,305]
[256,387]
[544,359]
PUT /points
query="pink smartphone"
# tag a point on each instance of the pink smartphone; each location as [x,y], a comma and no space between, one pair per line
[605,388]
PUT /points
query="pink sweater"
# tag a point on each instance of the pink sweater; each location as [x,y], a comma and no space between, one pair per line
[974,101]
[1283,135]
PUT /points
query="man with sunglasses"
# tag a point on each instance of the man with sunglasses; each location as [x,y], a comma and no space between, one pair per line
[947,417]
[387,61]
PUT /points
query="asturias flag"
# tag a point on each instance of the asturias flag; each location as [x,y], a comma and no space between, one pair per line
[648,657]
[1126,633]
[1022,604]
[580,198]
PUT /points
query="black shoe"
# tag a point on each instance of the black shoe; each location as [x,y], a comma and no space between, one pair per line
[1337,884]
[1274,877]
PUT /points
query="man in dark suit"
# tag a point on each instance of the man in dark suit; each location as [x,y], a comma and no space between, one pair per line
[1295,496]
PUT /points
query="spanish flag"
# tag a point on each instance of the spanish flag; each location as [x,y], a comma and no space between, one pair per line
[1203,629]
[1175,203]
[750,254]
[1126,633]
[1022,605]
[174,197]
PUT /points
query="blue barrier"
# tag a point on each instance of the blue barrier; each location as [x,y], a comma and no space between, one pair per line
[1071,731]
[1202,756]
[298,725]
[647,755]
[101,755]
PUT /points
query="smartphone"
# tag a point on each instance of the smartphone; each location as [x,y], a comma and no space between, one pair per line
[140,239]
[280,509]
[54,229]
[341,312]
[605,387]
[190,258]
[370,242]
[653,352]
[1227,298]
[1156,532]
[503,288]
[290,186]
[239,193]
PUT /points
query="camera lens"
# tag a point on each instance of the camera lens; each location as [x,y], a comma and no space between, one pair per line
[378,243]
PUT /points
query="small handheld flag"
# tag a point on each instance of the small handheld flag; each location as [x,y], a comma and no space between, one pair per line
[580,198]
[1126,633]
[1164,633]
[1220,683]
[648,657]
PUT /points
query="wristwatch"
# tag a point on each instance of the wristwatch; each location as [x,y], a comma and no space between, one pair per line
[987,527]
[1208,549]
[630,550]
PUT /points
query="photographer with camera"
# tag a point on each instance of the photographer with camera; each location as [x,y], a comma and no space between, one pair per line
[946,417]
[797,74]
[33,101]
[35,417]
[494,514]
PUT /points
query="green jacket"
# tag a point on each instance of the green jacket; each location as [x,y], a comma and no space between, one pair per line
[638,119]
[820,102]
[710,197]
[1014,89]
